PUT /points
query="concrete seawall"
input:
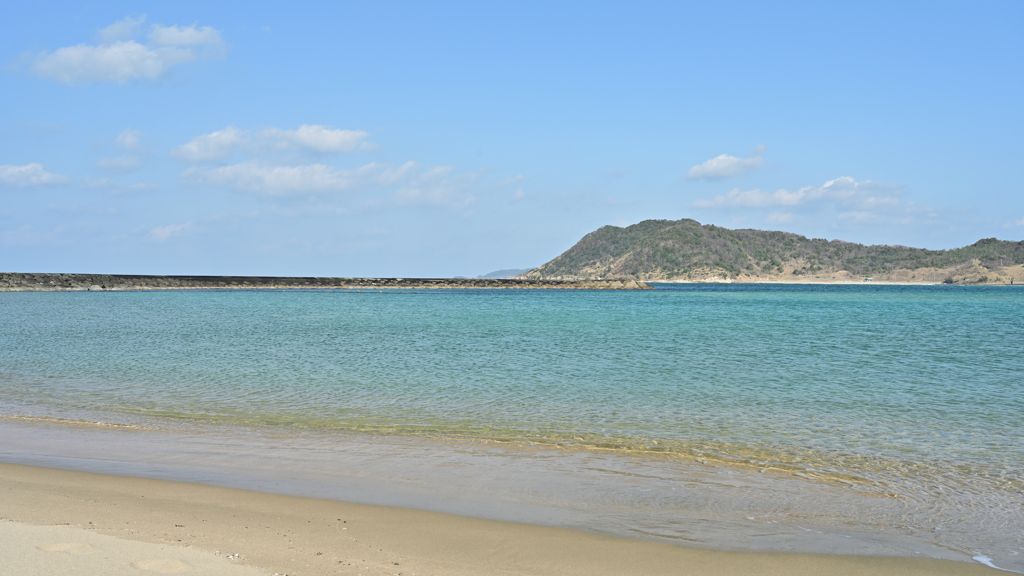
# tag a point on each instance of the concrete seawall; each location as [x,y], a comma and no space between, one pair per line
[17,281]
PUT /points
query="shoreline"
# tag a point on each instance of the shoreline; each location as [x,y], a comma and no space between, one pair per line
[716,510]
[309,536]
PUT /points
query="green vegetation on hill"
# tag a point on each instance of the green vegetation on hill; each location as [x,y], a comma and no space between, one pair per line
[655,249]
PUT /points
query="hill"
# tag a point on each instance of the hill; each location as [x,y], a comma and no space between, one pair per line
[685,250]
[500,274]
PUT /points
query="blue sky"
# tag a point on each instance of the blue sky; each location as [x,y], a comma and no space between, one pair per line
[442,139]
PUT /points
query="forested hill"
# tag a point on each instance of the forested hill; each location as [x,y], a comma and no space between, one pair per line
[686,250]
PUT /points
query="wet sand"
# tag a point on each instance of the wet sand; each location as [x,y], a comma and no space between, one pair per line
[99,524]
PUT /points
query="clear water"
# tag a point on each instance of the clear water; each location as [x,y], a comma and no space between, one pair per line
[910,396]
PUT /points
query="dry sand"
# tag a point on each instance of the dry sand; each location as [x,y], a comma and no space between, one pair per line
[59,550]
[62,522]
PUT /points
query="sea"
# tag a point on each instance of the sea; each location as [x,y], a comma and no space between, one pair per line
[844,419]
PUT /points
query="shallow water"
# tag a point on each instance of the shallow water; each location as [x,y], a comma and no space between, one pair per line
[886,414]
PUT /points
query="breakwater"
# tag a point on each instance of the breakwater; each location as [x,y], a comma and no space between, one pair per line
[18,281]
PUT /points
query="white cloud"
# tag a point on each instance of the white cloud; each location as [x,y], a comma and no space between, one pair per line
[858,217]
[414,184]
[116,187]
[29,175]
[439,187]
[844,190]
[101,183]
[723,166]
[119,164]
[257,177]
[751,199]
[162,233]
[222,144]
[269,173]
[24,236]
[121,30]
[510,180]
[853,204]
[129,139]
[217,145]
[1019,222]
[119,58]
[184,35]
[117,62]
[314,138]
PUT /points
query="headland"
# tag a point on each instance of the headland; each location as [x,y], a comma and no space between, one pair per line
[685,251]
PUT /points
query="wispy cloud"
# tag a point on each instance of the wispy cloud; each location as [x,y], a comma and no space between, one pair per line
[119,164]
[281,163]
[439,186]
[116,187]
[412,183]
[859,217]
[120,57]
[315,138]
[844,190]
[724,166]
[163,233]
[29,175]
[751,199]
[779,217]
[26,235]
[217,145]
[274,180]
[124,29]
[852,204]
[510,180]
[129,139]
[189,36]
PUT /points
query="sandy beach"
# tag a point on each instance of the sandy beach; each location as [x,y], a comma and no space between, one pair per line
[65,522]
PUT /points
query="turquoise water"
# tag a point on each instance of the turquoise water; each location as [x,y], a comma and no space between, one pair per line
[914,392]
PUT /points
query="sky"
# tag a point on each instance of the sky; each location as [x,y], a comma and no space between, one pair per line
[438,139]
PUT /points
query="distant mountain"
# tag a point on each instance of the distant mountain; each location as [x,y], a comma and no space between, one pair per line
[687,251]
[501,274]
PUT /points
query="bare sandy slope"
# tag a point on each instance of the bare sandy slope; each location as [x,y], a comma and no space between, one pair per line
[118,525]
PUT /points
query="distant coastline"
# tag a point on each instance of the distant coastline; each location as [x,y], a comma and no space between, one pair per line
[36,282]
